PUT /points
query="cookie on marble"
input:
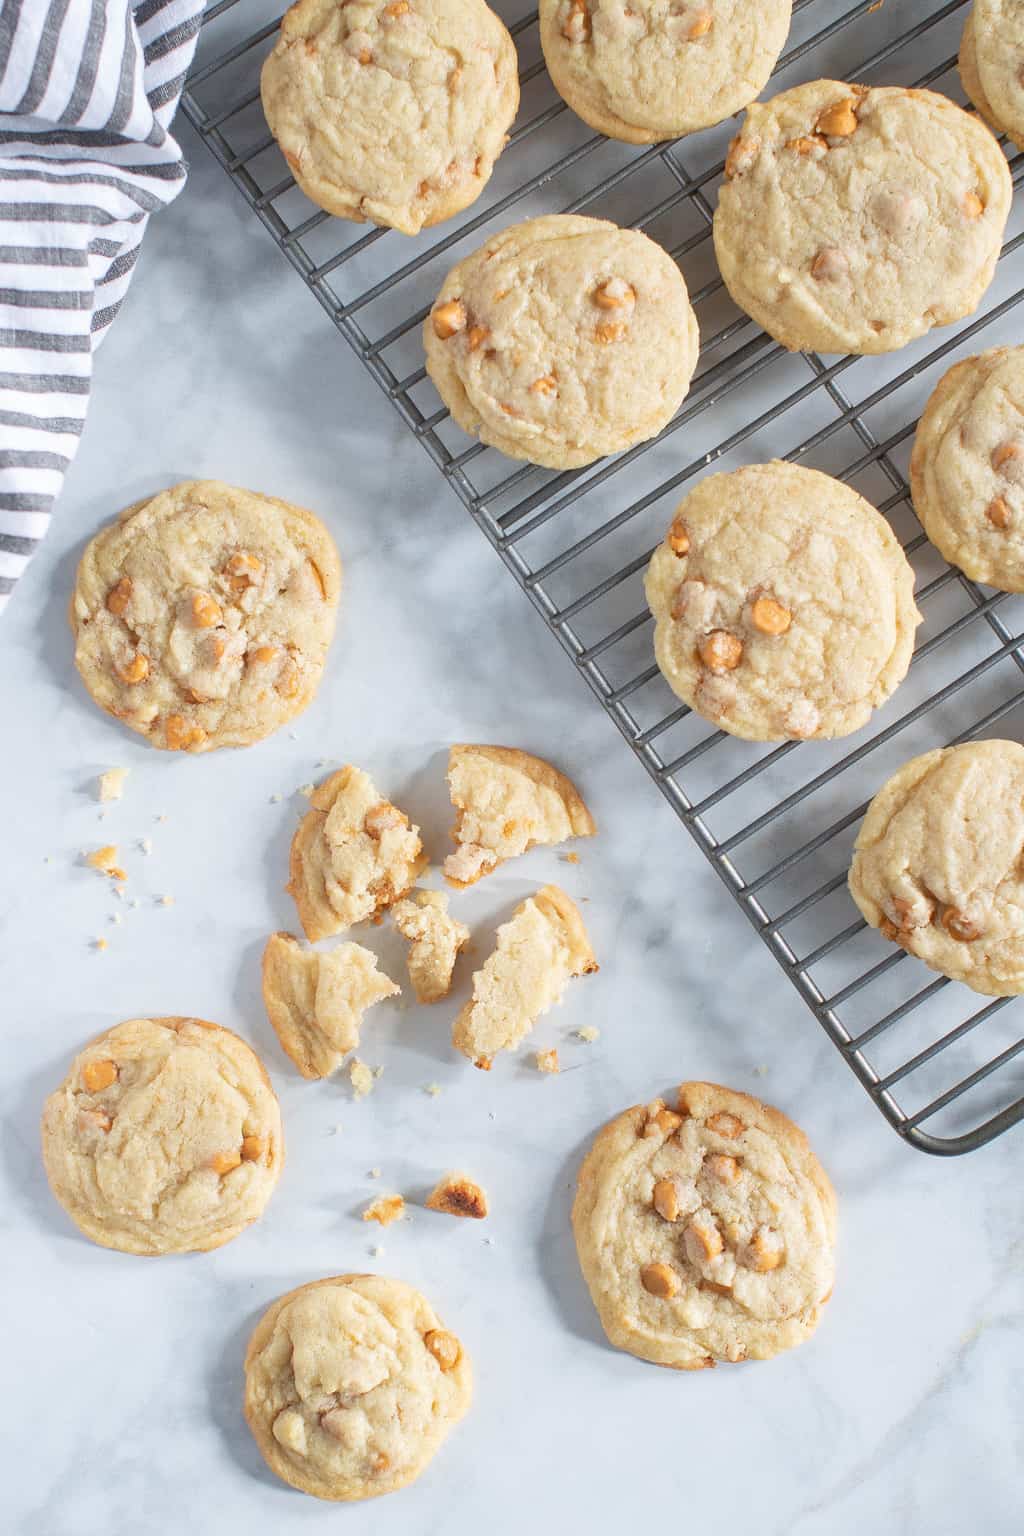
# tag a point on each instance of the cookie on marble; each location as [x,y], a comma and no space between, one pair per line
[351,1386]
[536,953]
[316,1001]
[992,62]
[967,467]
[392,111]
[563,339]
[937,863]
[646,70]
[783,604]
[855,219]
[506,802]
[165,1137]
[353,855]
[203,616]
[435,940]
[705,1233]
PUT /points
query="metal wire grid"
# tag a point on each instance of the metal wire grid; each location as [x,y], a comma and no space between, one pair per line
[776,823]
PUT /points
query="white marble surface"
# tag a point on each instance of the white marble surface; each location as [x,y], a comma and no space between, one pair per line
[121,1409]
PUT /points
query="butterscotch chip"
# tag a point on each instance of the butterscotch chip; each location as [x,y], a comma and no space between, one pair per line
[911,189]
[317,1001]
[747,1262]
[448,319]
[942,838]
[770,617]
[253,1148]
[720,651]
[720,1166]
[698,64]
[352,1384]
[393,114]
[212,575]
[159,1166]
[998,513]
[458,1195]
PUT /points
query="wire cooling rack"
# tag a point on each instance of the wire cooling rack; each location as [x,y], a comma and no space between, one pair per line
[777,823]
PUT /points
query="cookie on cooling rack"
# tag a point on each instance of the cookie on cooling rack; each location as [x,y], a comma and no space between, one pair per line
[643,71]
[783,604]
[937,863]
[392,111]
[202,617]
[991,56]
[855,219]
[563,339]
[352,1384]
[967,467]
[705,1233]
[165,1137]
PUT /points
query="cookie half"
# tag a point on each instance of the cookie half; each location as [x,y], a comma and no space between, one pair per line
[967,467]
[937,863]
[507,802]
[351,1385]
[165,1137]
[202,617]
[648,70]
[783,604]
[855,219]
[563,339]
[991,59]
[392,111]
[705,1233]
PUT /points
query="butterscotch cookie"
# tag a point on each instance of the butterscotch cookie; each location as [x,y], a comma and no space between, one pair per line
[967,467]
[202,617]
[855,219]
[352,855]
[392,111]
[351,1385]
[165,1137]
[991,55]
[506,802]
[783,604]
[937,863]
[536,953]
[316,1002]
[705,1233]
[653,69]
[563,339]
[435,939]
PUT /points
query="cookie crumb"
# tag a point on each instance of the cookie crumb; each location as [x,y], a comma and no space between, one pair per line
[361,1077]
[321,762]
[133,901]
[374,1173]
[386,1209]
[335,1130]
[165,901]
[761,1071]
[457,1195]
[104,861]
[547,1061]
[110,785]
[99,944]
[46,858]
[162,816]
[275,799]
[432,1088]
[115,917]
[145,845]
[571,858]
[588,1034]
[376,1249]
[308,790]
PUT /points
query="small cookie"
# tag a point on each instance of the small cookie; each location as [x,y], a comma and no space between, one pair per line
[563,339]
[783,604]
[967,467]
[646,70]
[507,801]
[536,953]
[351,1386]
[391,110]
[855,219]
[316,1002]
[458,1195]
[707,1234]
[202,617]
[435,939]
[165,1137]
[352,855]
[937,863]
[991,63]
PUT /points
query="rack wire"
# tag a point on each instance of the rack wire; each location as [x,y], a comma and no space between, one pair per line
[776,823]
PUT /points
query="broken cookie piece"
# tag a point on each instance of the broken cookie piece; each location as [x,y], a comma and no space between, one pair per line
[537,951]
[506,802]
[435,939]
[353,855]
[316,1002]
[457,1195]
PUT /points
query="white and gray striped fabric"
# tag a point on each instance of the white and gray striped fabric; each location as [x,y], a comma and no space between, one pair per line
[87,92]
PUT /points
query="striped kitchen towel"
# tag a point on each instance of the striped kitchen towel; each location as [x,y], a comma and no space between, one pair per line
[87,92]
